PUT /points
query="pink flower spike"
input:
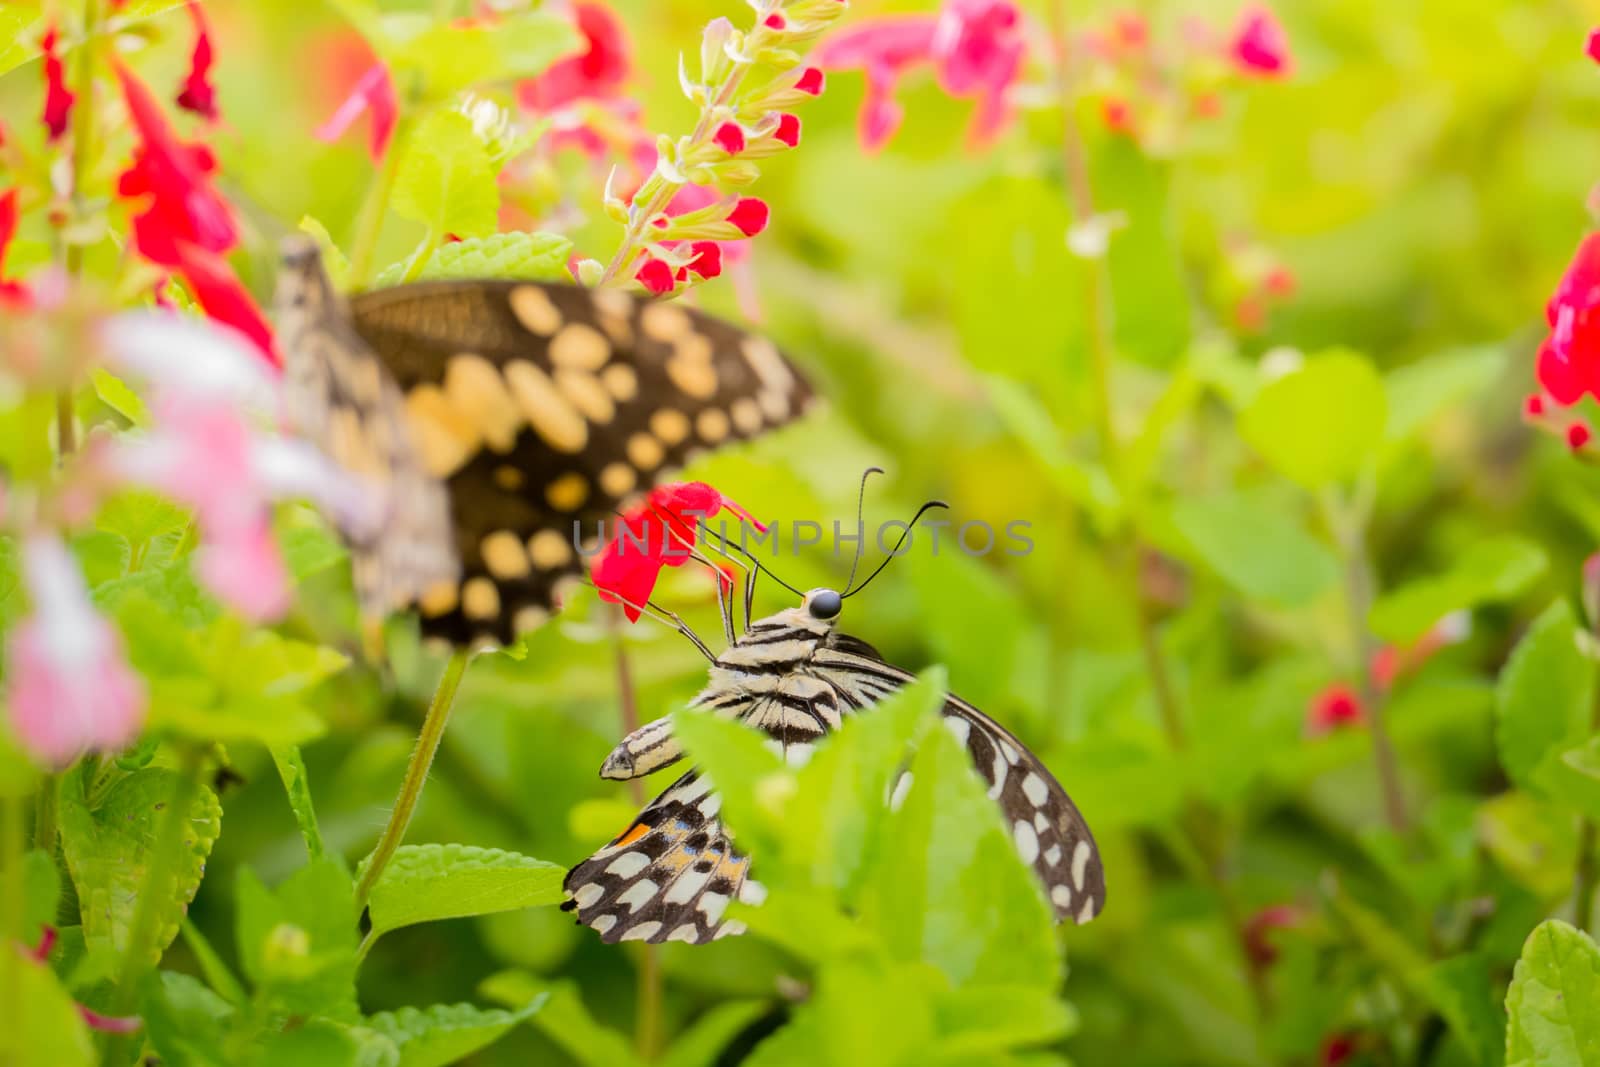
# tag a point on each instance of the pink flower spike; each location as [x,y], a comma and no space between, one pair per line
[655,275]
[1591,47]
[373,91]
[198,94]
[729,137]
[57,99]
[1259,47]
[70,690]
[788,131]
[749,215]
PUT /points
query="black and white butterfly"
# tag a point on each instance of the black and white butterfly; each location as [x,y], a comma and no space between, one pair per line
[671,874]
[500,416]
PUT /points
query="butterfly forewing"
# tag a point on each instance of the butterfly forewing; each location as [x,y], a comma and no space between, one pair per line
[541,409]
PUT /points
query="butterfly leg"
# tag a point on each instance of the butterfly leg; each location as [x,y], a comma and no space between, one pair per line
[660,614]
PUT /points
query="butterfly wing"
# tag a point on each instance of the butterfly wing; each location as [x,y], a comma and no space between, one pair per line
[540,409]
[668,877]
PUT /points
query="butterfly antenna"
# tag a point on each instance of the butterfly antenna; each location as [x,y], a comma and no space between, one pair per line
[861,501]
[726,547]
[930,505]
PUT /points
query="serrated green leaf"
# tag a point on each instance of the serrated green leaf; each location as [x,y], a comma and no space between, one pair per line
[1553,1004]
[1320,424]
[534,256]
[1257,547]
[110,840]
[1542,696]
[297,942]
[1488,571]
[426,883]
[445,180]
[292,770]
[446,1033]
[949,888]
[562,1018]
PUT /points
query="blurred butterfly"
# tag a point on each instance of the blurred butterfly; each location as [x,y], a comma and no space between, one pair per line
[671,874]
[499,415]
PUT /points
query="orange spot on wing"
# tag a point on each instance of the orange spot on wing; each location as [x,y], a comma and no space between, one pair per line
[632,834]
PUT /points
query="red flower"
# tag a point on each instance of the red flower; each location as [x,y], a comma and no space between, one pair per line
[730,138]
[788,131]
[1569,358]
[1259,47]
[594,73]
[774,21]
[1280,281]
[1578,435]
[749,215]
[374,92]
[707,261]
[12,294]
[1591,47]
[57,99]
[1533,406]
[1336,706]
[975,46]
[198,94]
[655,276]
[1257,945]
[1117,114]
[659,533]
[810,81]
[223,297]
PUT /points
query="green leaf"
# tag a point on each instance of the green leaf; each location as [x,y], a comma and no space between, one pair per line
[1574,778]
[1490,570]
[452,57]
[1320,424]
[862,1011]
[706,1037]
[41,894]
[139,518]
[1553,1004]
[297,942]
[1543,696]
[292,770]
[988,1019]
[1419,392]
[42,1025]
[426,883]
[1257,546]
[751,778]
[184,1021]
[563,1018]
[1148,288]
[333,260]
[534,256]
[446,1033]
[949,887]
[117,396]
[445,180]
[110,841]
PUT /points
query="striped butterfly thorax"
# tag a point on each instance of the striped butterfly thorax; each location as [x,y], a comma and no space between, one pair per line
[500,416]
[671,874]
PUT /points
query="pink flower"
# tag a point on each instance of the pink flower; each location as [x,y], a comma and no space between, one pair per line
[975,46]
[1591,47]
[1569,358]
[595,73]
[373,92]
[1334,707]
[1259,47]
[198,94]
[71,690]
[658,533]
[57,99]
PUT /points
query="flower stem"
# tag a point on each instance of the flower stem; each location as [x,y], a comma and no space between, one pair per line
[647,1021]
[82,144]
[405,804]
[374,209]
[1588,869]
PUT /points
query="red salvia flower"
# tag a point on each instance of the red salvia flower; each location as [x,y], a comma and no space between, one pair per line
[1578,435]
[749,215]
[659,533]
[655,275]
[1569,359]
[57,98]
[788,131]
[729,137]
[1260,48]
[810,81]
[1533,406]
[374,93]
[1336,706]
[13,295]
[595,73]
[223,297]
[1591,47]
[707,261]
[198,94]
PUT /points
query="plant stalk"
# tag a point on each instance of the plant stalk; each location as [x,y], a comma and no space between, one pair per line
[433,726]
[375,208]
[647,1021]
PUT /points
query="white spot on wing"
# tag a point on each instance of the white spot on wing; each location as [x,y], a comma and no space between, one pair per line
[1052,855]
[1010,753]
[1040,823]
[642,932]
[1036,791]
[686,886]
[752,892]
[713,904]
[1088,910]
[1027,841]
[628,864]
[604,923]
[902,786]
[1000,772]
[1080,864]
[588,894]
[731,928]
[687,932]
[638,894]
[960,728]
[1061,896]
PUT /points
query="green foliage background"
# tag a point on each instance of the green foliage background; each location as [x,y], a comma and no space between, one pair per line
[1423,174]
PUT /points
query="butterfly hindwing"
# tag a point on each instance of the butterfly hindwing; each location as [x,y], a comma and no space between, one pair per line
[539,408]
[668,877]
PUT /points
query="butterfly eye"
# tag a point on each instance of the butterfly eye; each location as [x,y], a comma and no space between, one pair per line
[824,604]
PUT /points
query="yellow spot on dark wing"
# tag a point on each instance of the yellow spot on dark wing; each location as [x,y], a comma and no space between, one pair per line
[480,599]
[614,309]
[438,599]
[509,478]
[529,619]
[535,310]
[579,346]
[503,555]
[445,439]
[618,479]
[746,415]
[645,452]
[620,381]
[546,410]
[711,425]
[549,549]
[664,322]
[693,374]
[567,492]
[586,394]
[767,363]
[670,425]
[477,392]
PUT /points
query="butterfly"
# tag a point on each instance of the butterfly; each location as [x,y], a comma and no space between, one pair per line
[672,873]
[501,417]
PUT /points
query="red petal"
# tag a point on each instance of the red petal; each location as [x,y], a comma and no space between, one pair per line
[655,276]
[57,99]
[198,94]
[788,130]
[730,138]
[373,91]
[810,81]
[1578,435]
[595,73]
[707,261]
[1591,47]
[749,215]
[224,299]
[1260,47]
